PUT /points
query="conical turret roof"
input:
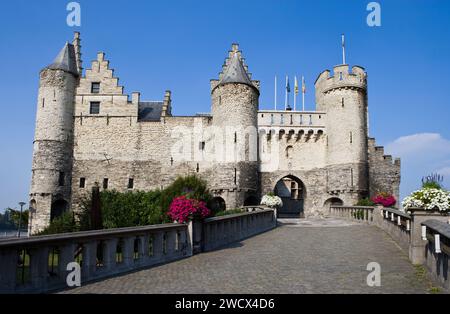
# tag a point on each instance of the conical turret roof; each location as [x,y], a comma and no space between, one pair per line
[235,72]
[66,60]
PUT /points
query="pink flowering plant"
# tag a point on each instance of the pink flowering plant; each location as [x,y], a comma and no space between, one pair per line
[183,209]
[385,199]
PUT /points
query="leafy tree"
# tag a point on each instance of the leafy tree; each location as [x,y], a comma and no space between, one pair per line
[15,217]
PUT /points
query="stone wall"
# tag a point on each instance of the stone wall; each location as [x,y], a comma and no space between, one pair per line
[384,173]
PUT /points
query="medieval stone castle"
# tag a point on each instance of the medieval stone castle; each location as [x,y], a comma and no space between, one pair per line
[88,132]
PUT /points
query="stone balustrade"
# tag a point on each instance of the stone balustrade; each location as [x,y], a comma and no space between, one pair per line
[38,264]
[437,236]
[220,231]
[415,232]
[356,213]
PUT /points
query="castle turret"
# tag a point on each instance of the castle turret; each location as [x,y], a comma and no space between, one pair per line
[343,97]
[235,101]
[53,143]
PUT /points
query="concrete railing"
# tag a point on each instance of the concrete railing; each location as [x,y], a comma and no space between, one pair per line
[437,235]
[220,231]
[39,263]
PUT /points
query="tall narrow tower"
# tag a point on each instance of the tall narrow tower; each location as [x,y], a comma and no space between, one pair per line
[235,101]
[343,97]
[53,143]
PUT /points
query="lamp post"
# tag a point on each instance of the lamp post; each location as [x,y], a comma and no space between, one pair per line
[20,218]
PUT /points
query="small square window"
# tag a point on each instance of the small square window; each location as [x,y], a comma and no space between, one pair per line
[95,108]
[82,183]
[105,183]
[95,88]
[130,183]
[61,179]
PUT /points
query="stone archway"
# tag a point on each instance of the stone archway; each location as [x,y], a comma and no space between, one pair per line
[334,201]
[217,204]
[292,191]
[59,207]
[252,200]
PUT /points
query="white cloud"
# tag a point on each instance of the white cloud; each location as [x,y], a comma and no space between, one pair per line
[421,155]
[444,171]
[420,144]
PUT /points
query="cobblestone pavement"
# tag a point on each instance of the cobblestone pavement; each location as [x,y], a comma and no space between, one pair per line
[306,256]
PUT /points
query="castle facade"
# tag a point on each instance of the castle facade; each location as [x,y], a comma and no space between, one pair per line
[88,132]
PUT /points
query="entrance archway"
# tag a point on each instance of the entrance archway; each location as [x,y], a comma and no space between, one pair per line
[292,192]
[251,201]
[217,204]
[59,207]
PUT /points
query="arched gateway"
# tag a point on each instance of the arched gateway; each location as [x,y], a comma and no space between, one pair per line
[292,192]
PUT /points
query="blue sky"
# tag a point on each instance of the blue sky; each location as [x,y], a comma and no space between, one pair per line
[180,45]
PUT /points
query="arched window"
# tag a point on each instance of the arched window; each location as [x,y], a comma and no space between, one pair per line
[289,151]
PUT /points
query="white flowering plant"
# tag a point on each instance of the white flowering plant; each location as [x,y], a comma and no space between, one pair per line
[271,201]
[428,199]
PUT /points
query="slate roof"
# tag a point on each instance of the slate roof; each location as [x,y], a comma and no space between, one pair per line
[235,72]
[66,60]
[150,110]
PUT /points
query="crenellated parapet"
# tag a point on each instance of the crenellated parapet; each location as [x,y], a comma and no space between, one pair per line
[342,78]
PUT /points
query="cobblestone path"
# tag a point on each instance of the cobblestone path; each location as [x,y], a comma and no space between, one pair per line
[308,256]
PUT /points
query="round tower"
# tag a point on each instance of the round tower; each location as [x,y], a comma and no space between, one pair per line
[53,142]
[343,97]
[235,102]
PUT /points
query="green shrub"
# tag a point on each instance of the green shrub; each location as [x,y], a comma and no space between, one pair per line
[63,224]
[191,186]
[131,209]
[230,212]
[365,202]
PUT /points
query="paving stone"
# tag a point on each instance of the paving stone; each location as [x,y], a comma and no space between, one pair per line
[290,259]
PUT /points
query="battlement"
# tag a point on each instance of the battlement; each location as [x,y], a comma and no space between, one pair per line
[341,78]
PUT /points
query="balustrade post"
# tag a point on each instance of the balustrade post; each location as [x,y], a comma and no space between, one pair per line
[39,267]
[66,256]
[128,252]
[8,269]
[89,262]
[158,245]
[109,254]
[417,248]
[171,242]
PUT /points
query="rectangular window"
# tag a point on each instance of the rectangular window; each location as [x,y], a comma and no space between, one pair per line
[61,179]
[131,183]
[95,107]
[82,183]
[202,145]
[105,183]
[95,88]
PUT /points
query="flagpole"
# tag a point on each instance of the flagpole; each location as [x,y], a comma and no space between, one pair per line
[343,49]
[295,93]
[275,92]
[303,93]
[286,98]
